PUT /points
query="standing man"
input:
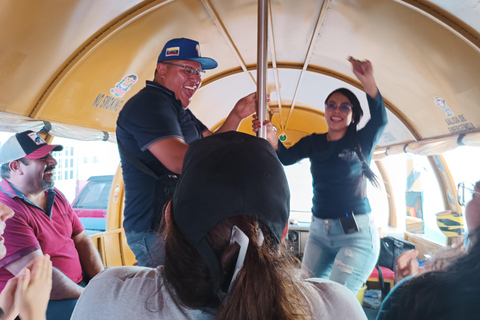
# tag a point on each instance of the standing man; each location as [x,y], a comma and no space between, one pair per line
[154,130]
[44,223]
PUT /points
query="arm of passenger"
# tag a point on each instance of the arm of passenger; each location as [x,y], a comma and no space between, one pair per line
[363,70]
[17,265]
[242,109]
[302,149]
[207,133]
[373,130]
[62,286]
[33,289]
[406,265]
[170,152]
[28,292]
[88,254]
[7,303]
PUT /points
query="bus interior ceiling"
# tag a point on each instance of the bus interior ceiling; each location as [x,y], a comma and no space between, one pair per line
[63,63]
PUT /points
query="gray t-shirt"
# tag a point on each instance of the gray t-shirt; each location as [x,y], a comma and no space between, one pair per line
[140,293]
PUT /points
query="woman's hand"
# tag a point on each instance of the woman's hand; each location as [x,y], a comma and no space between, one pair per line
[7,299]
[363,70]
[406,265]
[33,289]
[271,131]
[242,109]
[246,106]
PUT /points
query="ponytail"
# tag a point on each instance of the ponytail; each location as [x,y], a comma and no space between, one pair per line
[267,287]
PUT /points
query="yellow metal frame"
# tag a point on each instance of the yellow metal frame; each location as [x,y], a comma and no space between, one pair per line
[112,244]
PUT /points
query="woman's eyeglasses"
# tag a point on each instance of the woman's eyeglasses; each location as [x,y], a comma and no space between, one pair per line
[189,71]
[344,107]
[466,192]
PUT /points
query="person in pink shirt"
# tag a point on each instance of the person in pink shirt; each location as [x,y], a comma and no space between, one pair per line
[27,294]
[44,222]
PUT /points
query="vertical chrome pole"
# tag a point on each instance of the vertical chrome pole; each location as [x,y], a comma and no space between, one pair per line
[262,50]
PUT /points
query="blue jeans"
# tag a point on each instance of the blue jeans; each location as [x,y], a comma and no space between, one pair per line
[148,247]
[344,258]
[60,309]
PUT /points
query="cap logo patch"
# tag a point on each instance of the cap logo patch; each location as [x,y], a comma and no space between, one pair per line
[198,50]
[36,138]
[174,51]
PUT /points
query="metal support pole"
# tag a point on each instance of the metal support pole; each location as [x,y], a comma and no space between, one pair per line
[262,49]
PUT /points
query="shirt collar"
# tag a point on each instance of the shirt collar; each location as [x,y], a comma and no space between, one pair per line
[166,91]
[13,192]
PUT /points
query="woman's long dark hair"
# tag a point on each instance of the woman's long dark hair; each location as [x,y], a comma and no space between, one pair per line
[267,287]
[351,134]
[453,293]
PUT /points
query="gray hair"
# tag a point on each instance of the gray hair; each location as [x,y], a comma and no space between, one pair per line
[5,170]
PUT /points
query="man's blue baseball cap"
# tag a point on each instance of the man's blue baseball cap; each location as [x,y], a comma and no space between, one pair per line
[185,49]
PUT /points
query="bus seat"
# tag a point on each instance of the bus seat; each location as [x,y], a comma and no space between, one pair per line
[128,257]
[113,257]
[97,240]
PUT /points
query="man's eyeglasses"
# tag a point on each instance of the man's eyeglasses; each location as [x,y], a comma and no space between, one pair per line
[189,71]
[344,107]
[466,192]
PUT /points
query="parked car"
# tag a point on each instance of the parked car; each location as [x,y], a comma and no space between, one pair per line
[92,202]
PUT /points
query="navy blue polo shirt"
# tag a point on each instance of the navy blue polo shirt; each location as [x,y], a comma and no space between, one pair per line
[151,115]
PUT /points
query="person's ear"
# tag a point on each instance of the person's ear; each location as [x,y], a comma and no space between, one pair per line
[161,69]
[14,166]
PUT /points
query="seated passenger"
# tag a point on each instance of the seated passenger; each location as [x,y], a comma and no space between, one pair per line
[27,294]
[449,290]
[224,252]
[44,222]
[472,214]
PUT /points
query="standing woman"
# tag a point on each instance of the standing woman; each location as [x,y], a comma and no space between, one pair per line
[343,243]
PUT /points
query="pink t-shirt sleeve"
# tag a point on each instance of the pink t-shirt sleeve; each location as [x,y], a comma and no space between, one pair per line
[20,239]
[77,226]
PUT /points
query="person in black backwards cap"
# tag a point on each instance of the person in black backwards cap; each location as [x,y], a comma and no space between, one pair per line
[225,257]
[154,130]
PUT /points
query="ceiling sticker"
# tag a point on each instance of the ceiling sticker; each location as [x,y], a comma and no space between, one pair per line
[116,193]
[124,85]
[443,105]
